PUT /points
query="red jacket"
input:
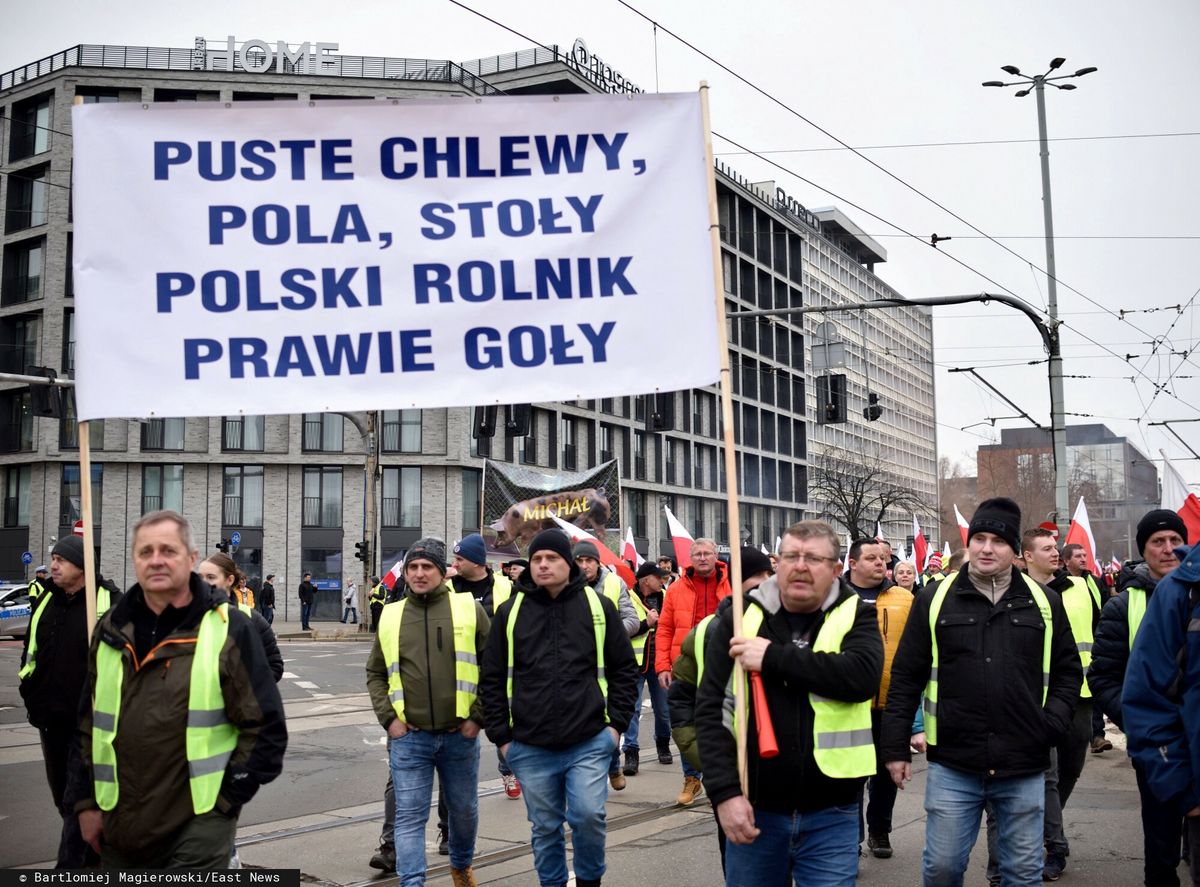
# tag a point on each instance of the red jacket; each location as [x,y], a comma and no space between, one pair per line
[687,600]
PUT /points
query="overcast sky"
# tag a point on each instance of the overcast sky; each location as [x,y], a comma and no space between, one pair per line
[1126,182]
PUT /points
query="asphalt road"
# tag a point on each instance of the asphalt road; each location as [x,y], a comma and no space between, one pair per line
[323,813]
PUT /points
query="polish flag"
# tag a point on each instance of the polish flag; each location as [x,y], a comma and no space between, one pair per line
[946,551]
[878,532]
[1115,564]
[681,539]
[763,548]
[607,557]
[393,575]
[920,546]
[963,526]
[778,543]
[846,559]
[1178,498]
[630,552]
[1080,533]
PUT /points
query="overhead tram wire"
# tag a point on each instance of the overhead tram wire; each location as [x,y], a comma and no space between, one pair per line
[1165,338]
[969,142]
[862,156]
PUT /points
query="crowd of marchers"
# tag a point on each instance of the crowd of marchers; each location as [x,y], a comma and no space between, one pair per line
[1000,665]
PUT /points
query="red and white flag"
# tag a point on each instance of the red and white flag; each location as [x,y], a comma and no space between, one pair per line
[681,539]
[846,559]
[607,557]
[920,546]
[1080,533]
[630,552]
[946,553]
[1178,498]
[1115,564]
[393,575]
[879,532]
[963,526]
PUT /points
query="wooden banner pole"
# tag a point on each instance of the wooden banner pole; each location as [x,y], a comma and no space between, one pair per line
[733,518]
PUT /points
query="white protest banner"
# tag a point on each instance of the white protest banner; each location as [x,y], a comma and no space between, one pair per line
[291,258]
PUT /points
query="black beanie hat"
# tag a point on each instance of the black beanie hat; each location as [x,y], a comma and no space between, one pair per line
[554,540]
[70,548]
[1159,519]
[431,549]
[755,562]
[1001,516]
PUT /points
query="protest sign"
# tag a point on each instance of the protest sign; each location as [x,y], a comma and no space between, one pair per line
[519,501]
[292,257]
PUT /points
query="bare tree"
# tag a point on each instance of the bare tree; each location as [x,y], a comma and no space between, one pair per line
[857,489]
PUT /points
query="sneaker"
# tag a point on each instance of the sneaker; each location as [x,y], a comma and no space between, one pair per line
[443,841]
[664,753]
[512,786]
[1055,864]
[880,845]
[384,860]
[1099,744]
[692,789]
[463,877]
[617,780]
[631,762]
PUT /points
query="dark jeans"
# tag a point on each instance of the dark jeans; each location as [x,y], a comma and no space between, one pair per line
[305,610]
[205,843]
[1066,763]
[881,788]
[73,851]
[268,614]
[348,612]
[376,612]
[1162,830]
[1097,722]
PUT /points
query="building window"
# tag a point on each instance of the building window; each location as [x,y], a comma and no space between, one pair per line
[402,497]
[72,496]
[242,502]
[481,447]
[243,433]
[163,434]
[16,496]
[325,564]
[18,343]
[27,197]
[606,443]
[30,128]
[68,432]
[402,431]
[472,505]
[16,421]
[93,95]
[637,505]
[323,433]
[639,455]
[527,445]
[68,355]
[322,505]
[569,446]
[162,487]
[23,271]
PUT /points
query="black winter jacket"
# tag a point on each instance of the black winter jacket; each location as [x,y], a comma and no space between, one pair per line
[556,698]
[1110,652]
[792,781]
[990,717]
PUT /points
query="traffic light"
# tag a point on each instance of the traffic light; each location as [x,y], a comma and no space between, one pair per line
[223,546]
[45,400]
[831,399]
[873,410]
[362,551]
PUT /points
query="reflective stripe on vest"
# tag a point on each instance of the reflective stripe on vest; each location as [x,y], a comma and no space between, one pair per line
[36,589]
[935,607]
[598,629]
[501,590]
[639,642]
[1095,590]
[842,742]
[1081,607]
[210,738]
[103,602]
[1137,609]
[466,659]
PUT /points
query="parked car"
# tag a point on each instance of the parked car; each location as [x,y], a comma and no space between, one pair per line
[15,610]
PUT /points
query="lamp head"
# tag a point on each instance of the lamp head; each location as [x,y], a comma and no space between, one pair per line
[1055,64]
[1011,69]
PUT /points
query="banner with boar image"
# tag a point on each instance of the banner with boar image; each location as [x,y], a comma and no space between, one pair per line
[521,500]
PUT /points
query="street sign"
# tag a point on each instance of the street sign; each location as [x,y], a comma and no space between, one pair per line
[26,558]
[78,529]
[235,538]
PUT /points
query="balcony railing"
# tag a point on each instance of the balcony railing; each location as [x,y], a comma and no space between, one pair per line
[232,433]
[231,511]
[151,503]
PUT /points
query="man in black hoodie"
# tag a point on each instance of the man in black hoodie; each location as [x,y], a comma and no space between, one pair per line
[53,671]
[992,654]
[817,647]
[558,685]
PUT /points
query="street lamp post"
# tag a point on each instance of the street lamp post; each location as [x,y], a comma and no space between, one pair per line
[1058,420]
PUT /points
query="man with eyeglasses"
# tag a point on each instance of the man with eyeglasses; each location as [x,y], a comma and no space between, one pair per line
[816,646]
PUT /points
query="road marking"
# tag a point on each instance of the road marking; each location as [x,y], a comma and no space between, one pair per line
[289,675]
[307,685]
[323,655]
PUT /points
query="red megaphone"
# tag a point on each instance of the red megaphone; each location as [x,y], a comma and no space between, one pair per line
[767,746]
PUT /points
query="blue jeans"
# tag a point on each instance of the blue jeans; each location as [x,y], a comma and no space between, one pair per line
[818,849]
[305,609]
[413,758]
[662,718]
[568,784]
[954,802]
[268,614]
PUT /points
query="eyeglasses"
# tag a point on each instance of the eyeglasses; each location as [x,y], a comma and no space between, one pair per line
[799,557]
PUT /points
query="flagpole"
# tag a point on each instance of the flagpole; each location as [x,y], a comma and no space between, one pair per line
[733,518]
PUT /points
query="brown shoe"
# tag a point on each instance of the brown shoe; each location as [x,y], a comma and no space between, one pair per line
[463,877]
[692,789]
[617,780]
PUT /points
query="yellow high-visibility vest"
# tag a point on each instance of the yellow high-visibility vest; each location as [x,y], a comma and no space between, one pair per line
[103,602]
[466,659]
[1137,610]
[1081,607]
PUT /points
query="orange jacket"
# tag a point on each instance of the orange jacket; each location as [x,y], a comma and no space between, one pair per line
[687,600]
[891,610]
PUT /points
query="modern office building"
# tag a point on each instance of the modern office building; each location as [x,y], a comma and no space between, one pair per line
[293,486]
